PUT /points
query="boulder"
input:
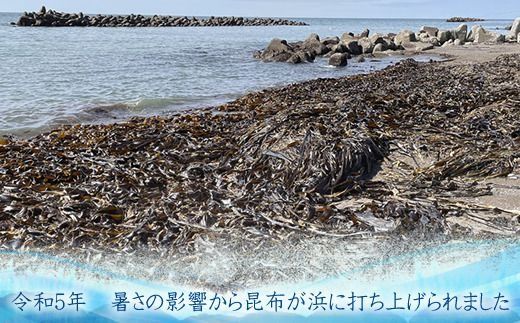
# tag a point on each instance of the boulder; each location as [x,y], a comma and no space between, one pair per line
[389,43]
[430,31]
[338,59]
[457,42]
[444,36]
[434,41]
[471,34]
[353,47]
[339,48]
[330,41]
[483,36]
[379,48]
[346,37]
[416,46]
[460,33]
[314,45]
[364,33]
[515,29]
[424,37]
[366,45]
[448,43]
[404,36]
[377,39]
[277,51]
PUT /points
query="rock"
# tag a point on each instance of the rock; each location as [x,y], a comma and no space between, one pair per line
[314,45]
[460,33]
[483,36]
[430,31]
[361,59]
[515,29]
[448,43]
[424,37]
[416,46]
[471,34]
[346,37]
[377,39]
[366,45]
[457,42]
[354,48]
[338,59]
[277,51]
[462,19]
[330,41]
[389,44]
[444,36]
[434,41]
[43,10]
[364,33]
[404,36]
[379,48]
[509,27]
[339,48]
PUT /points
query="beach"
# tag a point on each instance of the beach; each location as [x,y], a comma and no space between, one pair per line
[399,151]
[333,157]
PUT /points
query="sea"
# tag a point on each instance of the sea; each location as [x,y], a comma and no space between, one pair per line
[55,76]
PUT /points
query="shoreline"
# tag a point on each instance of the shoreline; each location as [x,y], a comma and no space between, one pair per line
[160,182]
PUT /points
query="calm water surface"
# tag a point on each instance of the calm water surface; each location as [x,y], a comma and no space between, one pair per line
[51,76]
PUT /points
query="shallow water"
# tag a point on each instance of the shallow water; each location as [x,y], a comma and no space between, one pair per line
[51,76]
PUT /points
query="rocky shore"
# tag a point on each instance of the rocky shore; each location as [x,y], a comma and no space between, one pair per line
[462,19]
[392,152]
[51,18]
[340,49]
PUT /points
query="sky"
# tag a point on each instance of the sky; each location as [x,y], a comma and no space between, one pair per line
[500,9]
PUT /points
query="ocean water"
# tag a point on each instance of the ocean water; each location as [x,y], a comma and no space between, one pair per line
[52,76]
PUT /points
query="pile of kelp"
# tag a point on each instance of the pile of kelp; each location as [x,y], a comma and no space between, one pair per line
[392,151]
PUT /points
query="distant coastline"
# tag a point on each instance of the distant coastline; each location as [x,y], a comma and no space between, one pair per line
[51,18]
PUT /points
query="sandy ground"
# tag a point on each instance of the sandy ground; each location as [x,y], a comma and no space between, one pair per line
[475,53]
[506,191]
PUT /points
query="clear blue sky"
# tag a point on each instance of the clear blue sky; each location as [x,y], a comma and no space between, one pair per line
[283,8]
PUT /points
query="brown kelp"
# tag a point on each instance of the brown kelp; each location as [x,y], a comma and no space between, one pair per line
[390,151]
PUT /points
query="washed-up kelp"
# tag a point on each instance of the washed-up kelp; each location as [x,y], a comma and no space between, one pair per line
[391,151]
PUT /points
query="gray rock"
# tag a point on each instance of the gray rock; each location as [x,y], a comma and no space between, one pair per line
[515,29]
[460,33]
[430,31]
[471,34]
[338,59]
[483,36]
[424,37]
[314,45]
[366,45]
[379,48]
[346,37]
[444,36]
[277,51]
[377,39]
[448,43]
[364,33]
[457,42]
[330,41]
[404,36]
[339,48]
[354,48]
[434,41]
[389,43]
